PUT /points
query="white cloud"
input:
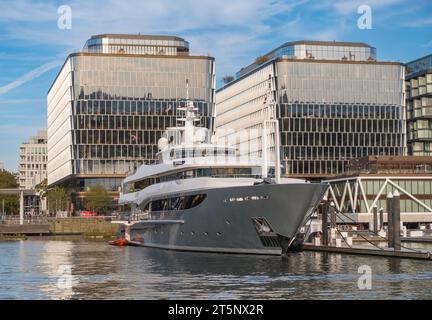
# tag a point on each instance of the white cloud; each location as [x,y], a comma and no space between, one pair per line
[229,30]
[346,7]
[419,22]
[30,76]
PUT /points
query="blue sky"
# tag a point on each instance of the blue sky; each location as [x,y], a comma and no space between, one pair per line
[235,32]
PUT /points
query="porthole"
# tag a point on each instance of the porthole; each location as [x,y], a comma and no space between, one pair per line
[227,222]
[192,233]
[181,233]
[205,233]
[218,233]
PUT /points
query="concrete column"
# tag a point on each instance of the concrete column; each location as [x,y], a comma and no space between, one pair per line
[396,221]
[375,219]
[21,207]
[390,219]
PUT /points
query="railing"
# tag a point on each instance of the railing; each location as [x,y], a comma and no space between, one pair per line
[127,216]
[45,219]
[28,219]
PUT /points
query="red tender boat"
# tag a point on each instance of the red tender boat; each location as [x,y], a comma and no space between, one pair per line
[119,242]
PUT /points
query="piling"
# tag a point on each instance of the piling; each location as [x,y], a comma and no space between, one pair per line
[381,218]
[326,208]
[396,221]
[375,219]
[389,204]
[332,215]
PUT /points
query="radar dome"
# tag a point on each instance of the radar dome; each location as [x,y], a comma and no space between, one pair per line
[162,143]
[200,135]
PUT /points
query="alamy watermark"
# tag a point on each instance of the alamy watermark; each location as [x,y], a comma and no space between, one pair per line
[365,20]
[364,282]
[64,22]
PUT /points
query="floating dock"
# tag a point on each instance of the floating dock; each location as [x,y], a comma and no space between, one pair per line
[371,251]
[417,239]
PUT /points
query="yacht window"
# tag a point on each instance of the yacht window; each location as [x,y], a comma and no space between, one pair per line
[178,203]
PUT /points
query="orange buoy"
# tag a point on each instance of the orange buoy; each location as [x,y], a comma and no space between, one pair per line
[119,242]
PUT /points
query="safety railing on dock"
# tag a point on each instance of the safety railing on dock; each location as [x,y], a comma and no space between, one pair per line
[45,219]
[15,219]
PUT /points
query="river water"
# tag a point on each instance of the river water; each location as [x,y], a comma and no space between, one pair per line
[73,268]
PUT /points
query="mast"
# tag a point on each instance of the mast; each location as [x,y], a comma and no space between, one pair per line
[189,118]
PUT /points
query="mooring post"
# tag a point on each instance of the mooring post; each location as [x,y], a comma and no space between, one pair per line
[332,215]
[381,218]
[21,207]
[390,219]
[375,219]
[396,221]
[324,214]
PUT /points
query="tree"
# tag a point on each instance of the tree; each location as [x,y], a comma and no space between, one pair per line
[57,198]
[42,188]
[227,79]
[97,199]
[11,202]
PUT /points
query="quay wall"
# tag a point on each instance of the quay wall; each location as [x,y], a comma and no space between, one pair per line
[84,226]
[90,227]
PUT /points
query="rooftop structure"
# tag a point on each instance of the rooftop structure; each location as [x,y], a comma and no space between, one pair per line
[317,50]
[137,44]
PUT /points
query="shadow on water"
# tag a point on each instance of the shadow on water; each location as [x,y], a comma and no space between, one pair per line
[99,271]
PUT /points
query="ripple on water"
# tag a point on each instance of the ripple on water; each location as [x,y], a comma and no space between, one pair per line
[32,269]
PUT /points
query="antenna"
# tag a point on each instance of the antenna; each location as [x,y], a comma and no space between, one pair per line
[189,117]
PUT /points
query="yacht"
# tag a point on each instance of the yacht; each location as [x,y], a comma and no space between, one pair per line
[202,196]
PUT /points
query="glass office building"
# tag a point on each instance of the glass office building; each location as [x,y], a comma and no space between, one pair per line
[334,102]
[419,106]
[109,105]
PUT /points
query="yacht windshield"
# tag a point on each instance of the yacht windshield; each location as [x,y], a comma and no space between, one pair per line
[223,172]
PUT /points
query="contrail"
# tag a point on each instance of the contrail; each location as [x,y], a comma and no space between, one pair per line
[30,76]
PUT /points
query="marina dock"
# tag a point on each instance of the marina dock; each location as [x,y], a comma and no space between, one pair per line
[380,241]
[372,251]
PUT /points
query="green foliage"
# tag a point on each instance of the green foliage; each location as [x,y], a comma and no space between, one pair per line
[97,199]
[7,180]
[42,188]
[11,202]
[57,199]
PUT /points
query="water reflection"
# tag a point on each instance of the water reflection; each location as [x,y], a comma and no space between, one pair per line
[30,270]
